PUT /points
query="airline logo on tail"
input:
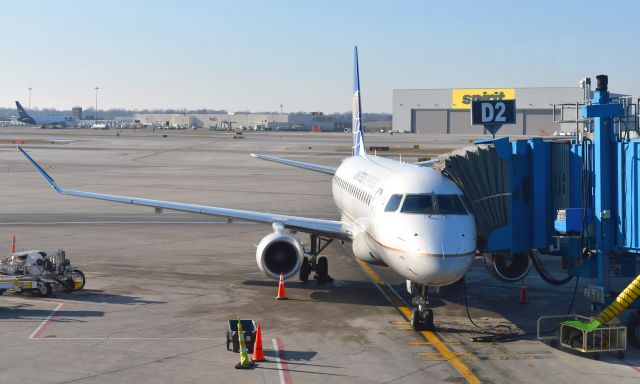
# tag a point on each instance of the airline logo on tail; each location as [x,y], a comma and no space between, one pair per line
[23,116]
[358,139]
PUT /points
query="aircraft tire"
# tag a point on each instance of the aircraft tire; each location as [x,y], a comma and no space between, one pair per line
[305,269]
[322,269]
[416,320]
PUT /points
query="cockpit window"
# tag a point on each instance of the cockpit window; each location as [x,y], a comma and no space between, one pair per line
[432,204]
[419,204]
[393,204]
[450,205]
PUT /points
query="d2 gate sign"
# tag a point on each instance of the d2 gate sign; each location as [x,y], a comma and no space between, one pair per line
[493,112]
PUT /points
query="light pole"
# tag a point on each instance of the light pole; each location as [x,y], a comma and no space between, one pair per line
[96,114]
[29,99]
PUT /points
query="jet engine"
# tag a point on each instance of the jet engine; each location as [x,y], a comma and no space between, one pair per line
[279,253]
[500,267]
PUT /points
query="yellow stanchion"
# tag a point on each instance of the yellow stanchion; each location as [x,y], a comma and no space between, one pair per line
[245,362]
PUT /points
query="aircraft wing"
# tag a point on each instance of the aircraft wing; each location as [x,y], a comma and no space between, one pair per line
[329,228]
[427,163]
[299,164]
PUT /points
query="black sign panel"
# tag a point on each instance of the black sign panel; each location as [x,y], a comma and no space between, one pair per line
[493,112]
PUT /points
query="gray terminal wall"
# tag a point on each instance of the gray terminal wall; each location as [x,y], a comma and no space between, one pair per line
[429,111]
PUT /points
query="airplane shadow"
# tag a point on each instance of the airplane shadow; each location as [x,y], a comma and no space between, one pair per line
[25,312]
[339,291]
[291,356]
[99,296]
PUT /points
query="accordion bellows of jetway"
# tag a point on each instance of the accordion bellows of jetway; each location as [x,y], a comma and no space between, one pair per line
[484,178]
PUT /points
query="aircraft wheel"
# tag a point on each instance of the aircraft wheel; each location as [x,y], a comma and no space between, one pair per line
[428,320]
[416,320]
[305,269]
[322,270]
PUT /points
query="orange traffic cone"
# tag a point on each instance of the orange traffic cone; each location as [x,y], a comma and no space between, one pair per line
[13,244]
[523,293]
[258,355]
[281,293]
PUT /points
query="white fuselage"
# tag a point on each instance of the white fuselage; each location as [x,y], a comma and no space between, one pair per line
[431,244]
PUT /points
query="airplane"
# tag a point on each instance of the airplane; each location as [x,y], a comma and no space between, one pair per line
[44,121]
[408,217]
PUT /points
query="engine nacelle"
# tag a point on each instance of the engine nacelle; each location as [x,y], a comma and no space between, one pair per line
[511,271]
[279,253]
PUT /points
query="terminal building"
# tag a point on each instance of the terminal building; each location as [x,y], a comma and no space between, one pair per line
[447,111]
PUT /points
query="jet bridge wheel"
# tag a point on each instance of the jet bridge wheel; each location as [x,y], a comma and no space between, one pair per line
[633,330]
[510,270]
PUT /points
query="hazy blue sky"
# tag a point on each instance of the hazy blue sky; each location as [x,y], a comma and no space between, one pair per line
[240,55]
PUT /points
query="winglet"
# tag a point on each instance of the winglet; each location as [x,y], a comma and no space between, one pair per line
[42,172]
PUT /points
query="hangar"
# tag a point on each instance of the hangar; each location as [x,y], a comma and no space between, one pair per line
[447,111]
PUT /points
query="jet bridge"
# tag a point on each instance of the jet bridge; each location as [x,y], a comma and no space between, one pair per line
[575,197]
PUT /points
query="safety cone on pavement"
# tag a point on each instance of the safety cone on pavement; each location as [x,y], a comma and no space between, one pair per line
[245,362]
[281,292]
[523,293]
[13,244]
[258,354]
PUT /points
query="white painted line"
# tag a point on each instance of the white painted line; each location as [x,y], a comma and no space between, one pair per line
[124,222]
[278,363]
[127,338]
[45,322]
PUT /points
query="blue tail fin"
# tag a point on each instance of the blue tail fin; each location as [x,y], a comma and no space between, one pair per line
[23,116]
[358,139]
[21,112]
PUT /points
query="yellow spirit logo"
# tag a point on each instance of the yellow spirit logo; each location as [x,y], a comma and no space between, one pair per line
[462,98]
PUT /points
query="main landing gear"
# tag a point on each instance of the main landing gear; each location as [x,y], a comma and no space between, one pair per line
[316,264]
[421,316]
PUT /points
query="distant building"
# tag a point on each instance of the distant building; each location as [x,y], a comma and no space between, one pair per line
[235,121]
[76,112]
[447,111]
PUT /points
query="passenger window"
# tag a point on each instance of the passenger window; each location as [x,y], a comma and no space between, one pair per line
[393,204]
[422,204]
[450,205]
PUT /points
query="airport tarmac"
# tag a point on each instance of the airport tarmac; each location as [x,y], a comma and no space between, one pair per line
[160,288]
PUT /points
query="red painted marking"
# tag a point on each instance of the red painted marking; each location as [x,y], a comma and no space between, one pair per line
[637,369]
[36,334]
[283,361]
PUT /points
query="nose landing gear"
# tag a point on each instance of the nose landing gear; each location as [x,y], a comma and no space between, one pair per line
[421,315]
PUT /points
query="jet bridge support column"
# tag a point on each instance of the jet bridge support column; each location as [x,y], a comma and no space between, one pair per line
[604,175]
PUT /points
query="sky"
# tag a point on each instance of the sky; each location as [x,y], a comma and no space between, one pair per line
[254,55]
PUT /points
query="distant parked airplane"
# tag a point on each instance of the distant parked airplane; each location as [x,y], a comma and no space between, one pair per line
[44,121]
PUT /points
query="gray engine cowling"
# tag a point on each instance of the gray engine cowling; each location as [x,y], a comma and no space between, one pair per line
[279,253]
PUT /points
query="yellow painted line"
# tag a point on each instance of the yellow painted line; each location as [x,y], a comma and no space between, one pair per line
[404,328]
[447,354]
[436,353]
[469,358]
[400,322]
[429,343]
